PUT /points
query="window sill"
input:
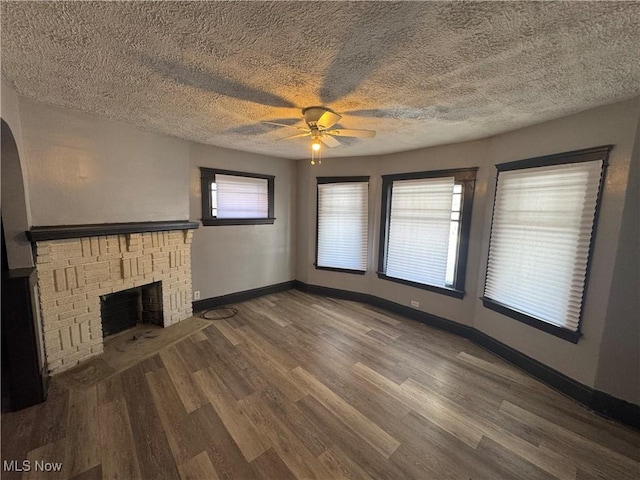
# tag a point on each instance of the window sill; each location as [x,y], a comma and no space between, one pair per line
[450,292]
[554,330]
[341,270]
[208,222]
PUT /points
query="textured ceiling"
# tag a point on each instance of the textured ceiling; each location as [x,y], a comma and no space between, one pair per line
[419,73]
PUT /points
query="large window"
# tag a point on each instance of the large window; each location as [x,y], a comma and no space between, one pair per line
[541,236]
[343,213]
[236,198]
[425,224]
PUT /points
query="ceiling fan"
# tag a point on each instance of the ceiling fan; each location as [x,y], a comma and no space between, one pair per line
[319,121]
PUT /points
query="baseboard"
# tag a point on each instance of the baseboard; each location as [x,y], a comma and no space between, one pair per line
[600,402]
[616,409]
[243,296]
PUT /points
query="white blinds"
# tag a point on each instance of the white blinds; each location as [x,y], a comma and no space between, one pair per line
[242,197]
[419,230]
[342,225]
[540,237]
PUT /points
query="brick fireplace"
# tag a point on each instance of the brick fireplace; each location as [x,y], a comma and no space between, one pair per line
[74,273]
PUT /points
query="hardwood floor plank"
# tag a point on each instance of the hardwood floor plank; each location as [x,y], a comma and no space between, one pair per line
[293,453]
[412,396]
[83,434]
[313,438]
[466,460]
[17,432]
[370,432]
[119,459]
[264,308]
[566,442]
[238,375]
[190,394]
[280,359]
[502,370]
[50,453]
[110,390]
[193,353]
[198,468]
[151,445]
[199,336]
[223,451]
[50,419]
[341,466]
[509,465]
[269,466]
[369,459]
[234,418]
[94,474]
[228,331]
[182,434]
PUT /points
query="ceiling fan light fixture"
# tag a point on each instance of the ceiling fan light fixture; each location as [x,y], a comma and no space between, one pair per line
[315,145]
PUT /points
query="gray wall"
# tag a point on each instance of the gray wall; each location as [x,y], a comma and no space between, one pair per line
[451,156]
[619,362]
[234,258]
[15,206]
[615,124]
[83,169]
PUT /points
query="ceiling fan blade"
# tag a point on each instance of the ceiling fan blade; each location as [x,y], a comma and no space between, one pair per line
[329,141]
[297,135]
[345,132]
[328,119]
[284,125]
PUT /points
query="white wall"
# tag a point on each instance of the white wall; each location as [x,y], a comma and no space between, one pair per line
[234,258]
[614,124]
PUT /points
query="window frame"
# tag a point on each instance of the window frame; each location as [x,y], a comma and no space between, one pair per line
[323,181]
[464,176]
[208,176]
[565,158]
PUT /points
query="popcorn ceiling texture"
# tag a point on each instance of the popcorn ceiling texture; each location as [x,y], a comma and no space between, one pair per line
[419,73]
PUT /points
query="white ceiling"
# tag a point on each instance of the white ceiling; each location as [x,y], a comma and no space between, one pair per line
[419,73]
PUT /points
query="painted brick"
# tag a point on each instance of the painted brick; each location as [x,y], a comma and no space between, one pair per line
[89,267]
[75,334]
[59,280]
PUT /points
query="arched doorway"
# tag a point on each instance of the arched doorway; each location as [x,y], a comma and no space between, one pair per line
[23,369]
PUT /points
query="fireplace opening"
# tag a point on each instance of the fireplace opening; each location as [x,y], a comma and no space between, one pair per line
[126,309]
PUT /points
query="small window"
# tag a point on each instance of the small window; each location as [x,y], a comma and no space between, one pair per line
[236,198]
[426,217]
[541,239]
[343,213]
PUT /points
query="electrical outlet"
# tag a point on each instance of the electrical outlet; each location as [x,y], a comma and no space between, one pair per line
[196,295]
[415,304]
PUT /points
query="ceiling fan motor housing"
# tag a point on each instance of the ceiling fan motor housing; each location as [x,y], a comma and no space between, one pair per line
[313,114]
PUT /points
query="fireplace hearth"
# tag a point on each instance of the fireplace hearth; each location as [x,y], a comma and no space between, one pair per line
[77,277]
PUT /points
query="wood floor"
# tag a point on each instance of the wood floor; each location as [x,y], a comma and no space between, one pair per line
[300,386]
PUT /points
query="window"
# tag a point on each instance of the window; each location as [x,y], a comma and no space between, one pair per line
[425,224]
[343,211]
[541,237]
[236,198]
